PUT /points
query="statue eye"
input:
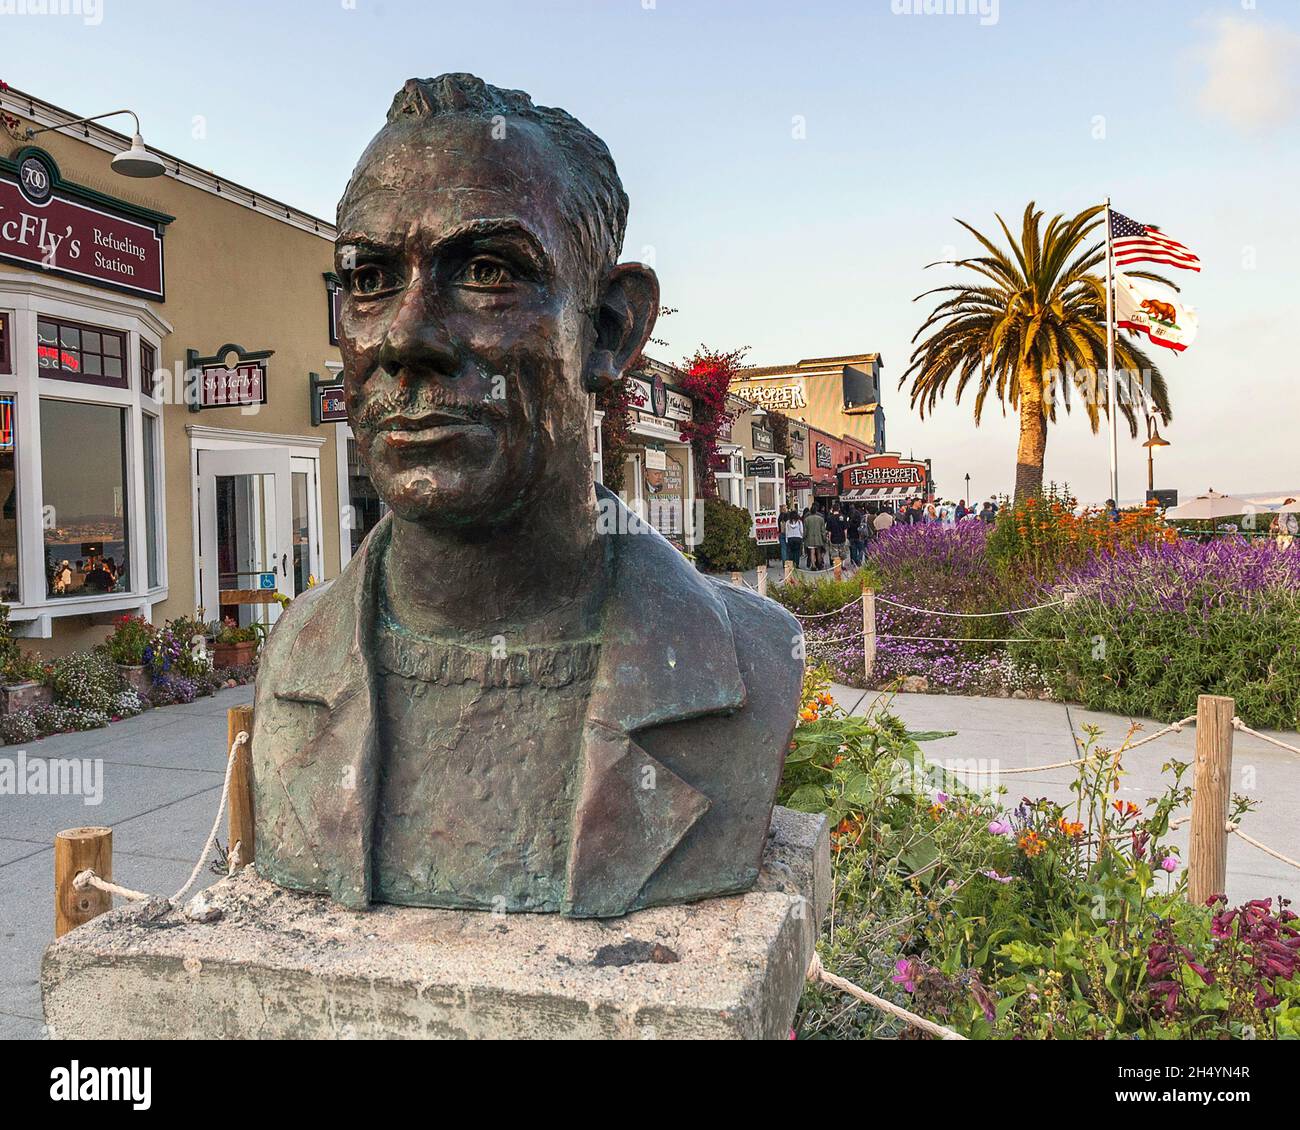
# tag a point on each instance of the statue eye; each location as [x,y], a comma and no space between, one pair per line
[485,273]
[370,279]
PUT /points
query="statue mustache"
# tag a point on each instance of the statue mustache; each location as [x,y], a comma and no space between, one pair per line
[383,406]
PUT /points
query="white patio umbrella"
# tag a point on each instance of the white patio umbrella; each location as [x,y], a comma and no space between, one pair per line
[1212,505]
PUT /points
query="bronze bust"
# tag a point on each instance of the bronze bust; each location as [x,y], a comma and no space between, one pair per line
[505,702]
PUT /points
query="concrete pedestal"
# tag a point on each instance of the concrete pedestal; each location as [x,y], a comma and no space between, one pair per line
[277,965]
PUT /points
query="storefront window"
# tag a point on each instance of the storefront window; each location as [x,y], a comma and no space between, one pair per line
[83,473]
[74,352]
[6,349]
[9,510]
[153,551]
[148,363]
[366,507]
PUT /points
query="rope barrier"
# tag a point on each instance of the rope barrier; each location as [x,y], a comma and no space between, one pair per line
[968,615]
[817,972]
[1238,724]
[86,879]
[1262,847]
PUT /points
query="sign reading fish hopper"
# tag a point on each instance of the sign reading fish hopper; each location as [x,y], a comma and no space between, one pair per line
[883,478]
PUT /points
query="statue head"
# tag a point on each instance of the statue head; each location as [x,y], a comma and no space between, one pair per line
[478,245]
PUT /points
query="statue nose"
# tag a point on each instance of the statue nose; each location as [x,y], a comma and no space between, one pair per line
[417,340]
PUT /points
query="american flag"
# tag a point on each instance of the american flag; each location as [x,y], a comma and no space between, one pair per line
[1133,242]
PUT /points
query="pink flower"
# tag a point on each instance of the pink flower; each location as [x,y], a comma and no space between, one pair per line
[990,873]
[999,828]
[906,974]
[1169,863]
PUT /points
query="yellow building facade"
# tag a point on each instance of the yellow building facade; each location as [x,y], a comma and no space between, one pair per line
[170,418]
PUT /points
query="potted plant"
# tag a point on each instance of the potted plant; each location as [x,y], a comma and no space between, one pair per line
[233,646]
[24,683]
[132,637]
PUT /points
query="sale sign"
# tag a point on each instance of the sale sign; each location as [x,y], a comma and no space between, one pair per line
[67,231]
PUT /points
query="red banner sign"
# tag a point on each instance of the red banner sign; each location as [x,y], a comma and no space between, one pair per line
[885,470]
[79,241]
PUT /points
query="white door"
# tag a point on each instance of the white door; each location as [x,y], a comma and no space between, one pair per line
[245,529]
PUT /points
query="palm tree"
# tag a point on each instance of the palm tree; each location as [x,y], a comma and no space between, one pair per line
[1034,328]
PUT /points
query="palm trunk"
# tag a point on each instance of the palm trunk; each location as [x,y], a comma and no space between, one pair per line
[1033,439]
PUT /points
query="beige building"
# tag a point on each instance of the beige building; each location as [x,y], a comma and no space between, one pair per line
[840,395]
[165,344]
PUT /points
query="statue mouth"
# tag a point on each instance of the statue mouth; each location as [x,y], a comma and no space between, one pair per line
[406,430]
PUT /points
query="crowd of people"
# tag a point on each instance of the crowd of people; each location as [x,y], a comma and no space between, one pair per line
[831,531]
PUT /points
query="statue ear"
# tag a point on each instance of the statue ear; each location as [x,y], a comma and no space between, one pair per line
[626,310]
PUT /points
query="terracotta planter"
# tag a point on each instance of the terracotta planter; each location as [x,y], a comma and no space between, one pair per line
[233,654]
[23,696]
[138,679]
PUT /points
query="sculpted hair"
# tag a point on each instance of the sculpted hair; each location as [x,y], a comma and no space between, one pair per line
[595,205]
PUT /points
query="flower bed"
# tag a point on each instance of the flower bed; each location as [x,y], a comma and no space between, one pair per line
[928,567]
[90,688]
[1156,625]
[1033,921]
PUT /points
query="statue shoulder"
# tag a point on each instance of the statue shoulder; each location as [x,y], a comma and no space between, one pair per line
[768,640]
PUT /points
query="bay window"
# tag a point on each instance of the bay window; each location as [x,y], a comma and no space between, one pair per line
[81,489]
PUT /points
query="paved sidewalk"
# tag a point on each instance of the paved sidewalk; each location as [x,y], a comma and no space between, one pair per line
[162,775]
[1015,733]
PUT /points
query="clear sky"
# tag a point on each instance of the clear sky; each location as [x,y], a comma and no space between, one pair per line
[793,166]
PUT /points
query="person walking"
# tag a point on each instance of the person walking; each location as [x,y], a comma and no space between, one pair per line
[794,536]
[814,539]
[780,536]
[883,521]
[857,536]
[837,531]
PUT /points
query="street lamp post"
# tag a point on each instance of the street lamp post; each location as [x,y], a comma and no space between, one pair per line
[969,499]
[1154,440]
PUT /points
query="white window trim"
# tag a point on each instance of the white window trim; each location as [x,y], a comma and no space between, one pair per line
[28,296]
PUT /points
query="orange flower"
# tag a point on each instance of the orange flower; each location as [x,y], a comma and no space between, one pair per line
[825,699]
[1070,828]
[936,810]
[1126,808]
[809,715]
[1030,844]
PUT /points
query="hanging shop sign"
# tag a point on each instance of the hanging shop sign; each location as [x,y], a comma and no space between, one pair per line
[75,232]
[824,456]
[214,382]
[333,304]
[328,405]
[882,478]
[825,488]
[654,398]
[798,438]
[798,481]
[760,468]
[763,440]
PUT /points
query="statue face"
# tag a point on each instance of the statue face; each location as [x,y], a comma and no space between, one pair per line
[465,327]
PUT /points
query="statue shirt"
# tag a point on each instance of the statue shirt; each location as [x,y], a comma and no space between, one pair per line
[479,749]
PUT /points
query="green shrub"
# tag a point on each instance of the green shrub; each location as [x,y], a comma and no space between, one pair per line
[726,543]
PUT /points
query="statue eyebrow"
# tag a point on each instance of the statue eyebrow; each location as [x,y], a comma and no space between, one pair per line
[390,245]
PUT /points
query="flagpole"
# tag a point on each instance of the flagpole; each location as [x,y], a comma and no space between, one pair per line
[1111,403]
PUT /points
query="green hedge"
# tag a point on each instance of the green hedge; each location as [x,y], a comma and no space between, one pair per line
[726,544]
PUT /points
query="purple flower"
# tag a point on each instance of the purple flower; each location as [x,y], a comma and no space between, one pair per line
[990,873]
[999,828]
[1169,863]
[906,973]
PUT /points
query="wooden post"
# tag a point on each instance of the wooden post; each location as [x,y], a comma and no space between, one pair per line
[77,850]
[789,569]
[241,784]
[869,632]
[839,569]
[1207,869]
[737,579]
[762,580]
